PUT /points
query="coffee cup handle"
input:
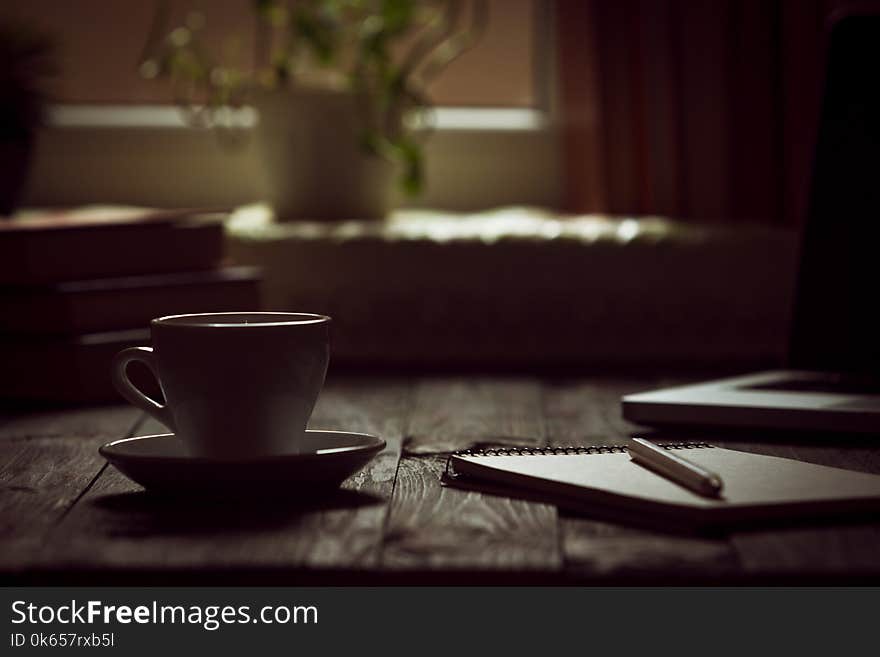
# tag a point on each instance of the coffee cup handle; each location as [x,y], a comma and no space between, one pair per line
[126,388]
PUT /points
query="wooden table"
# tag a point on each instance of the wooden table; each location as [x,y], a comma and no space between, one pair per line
[68,517]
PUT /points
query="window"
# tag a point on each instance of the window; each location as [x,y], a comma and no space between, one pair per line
[100,44]
[492,145]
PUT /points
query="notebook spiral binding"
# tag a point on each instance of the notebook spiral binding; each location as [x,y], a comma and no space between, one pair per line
[558,451]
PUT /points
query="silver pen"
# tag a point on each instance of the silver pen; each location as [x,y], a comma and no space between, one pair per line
[672,466]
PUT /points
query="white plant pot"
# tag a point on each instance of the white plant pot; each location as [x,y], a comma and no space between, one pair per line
[313,165]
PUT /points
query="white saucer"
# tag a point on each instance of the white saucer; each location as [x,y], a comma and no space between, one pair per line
[160,463]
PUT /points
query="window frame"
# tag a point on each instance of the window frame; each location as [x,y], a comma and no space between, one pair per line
[517,150]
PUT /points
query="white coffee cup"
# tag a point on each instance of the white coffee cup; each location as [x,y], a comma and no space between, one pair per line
[236,385]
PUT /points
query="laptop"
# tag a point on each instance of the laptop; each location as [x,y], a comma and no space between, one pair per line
[834,347]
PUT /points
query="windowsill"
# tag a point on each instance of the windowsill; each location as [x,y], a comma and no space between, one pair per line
[256,222]
[522,286]
[443,119]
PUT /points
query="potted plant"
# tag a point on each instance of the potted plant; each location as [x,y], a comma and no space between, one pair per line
[337,84]
[26,60]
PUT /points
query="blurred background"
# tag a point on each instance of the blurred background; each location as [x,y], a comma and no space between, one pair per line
[494,184]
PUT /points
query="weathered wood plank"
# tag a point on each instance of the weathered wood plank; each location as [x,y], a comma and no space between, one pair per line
[588,413]
[59,512]
[454,413]
[596,549]
[102,422]
[118,527]
[47,460]
[844,550]
[431,527]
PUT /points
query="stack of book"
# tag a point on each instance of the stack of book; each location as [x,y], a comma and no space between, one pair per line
[78,286]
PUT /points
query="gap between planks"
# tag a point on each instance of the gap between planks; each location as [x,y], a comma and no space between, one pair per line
[433,528]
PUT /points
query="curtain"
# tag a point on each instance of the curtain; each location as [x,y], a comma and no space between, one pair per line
[703,110]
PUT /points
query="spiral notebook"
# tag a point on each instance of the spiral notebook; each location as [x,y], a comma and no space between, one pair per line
[603,481]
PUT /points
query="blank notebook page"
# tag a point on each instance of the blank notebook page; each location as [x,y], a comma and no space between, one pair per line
[750,480]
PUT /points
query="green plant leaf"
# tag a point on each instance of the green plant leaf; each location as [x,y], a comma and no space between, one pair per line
[361,39]
[410,154]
